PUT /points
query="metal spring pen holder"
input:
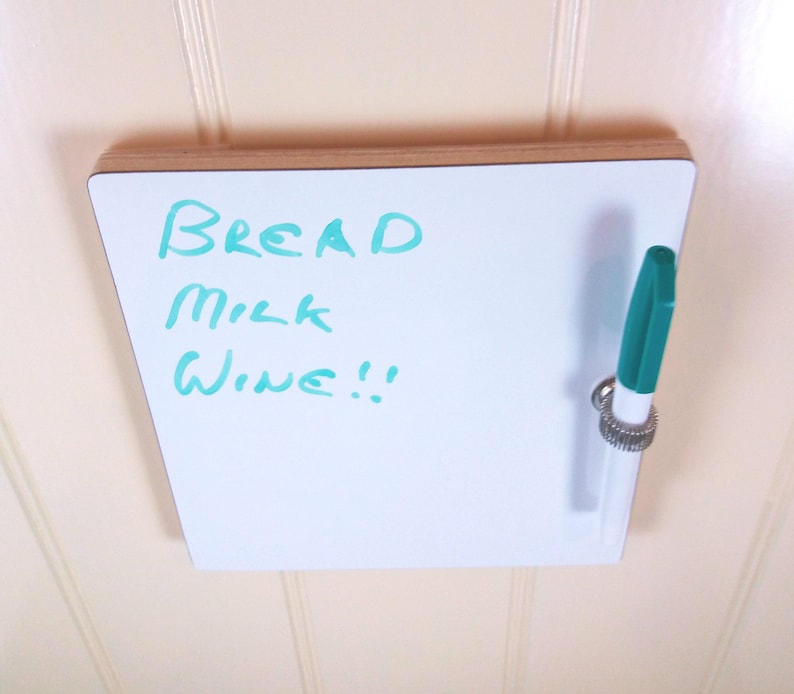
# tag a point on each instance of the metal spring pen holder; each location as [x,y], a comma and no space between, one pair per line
[631,438]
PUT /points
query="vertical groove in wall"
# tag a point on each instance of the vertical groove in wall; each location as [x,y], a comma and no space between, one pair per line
[302,631]
[567,59]
[518,626]
[42,528]
[778,501]
[198,36]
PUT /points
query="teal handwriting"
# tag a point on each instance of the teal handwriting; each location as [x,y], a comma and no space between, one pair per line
[190,224]
[215,378]
[195,229]
[194,382]
[194,375]
[363,370]
[211,302]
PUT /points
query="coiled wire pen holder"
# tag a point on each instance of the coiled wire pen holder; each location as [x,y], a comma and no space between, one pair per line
[631,438]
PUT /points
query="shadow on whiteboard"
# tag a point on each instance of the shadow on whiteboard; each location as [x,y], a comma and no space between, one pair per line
[601,307]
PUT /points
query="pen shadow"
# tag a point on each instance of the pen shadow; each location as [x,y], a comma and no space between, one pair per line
[600,314]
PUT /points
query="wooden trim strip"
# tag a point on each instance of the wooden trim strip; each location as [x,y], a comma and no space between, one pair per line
[227,159]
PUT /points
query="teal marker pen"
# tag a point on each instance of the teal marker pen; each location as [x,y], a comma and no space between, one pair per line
[641,351]
[645,336]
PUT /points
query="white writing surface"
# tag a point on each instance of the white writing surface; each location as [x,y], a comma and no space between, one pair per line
[385,367]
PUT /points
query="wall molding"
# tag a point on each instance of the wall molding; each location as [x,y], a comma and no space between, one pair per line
[297,600]
[198,39]
[518,629]
[44,531]
[778,501]
[567,59]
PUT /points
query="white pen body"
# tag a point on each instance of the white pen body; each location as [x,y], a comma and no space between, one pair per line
[620,467]
[630,407]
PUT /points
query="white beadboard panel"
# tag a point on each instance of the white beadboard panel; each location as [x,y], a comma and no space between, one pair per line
[759,659]
[40,646]
[656,622]
[78,80]
[379,71]
[519,630]
[647,624]
[410,631]
[41,526]
[566,67]
[106,72]
[177,629]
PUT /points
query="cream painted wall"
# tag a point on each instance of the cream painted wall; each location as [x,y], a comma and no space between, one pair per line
[96,589]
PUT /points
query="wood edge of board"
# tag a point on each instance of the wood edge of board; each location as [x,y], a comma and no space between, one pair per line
[230,159]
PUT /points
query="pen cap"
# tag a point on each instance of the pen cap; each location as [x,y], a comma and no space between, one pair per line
[648,321]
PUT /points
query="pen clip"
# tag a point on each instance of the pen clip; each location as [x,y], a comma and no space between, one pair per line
[648,321]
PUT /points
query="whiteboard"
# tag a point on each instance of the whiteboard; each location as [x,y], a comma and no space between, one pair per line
[353,365]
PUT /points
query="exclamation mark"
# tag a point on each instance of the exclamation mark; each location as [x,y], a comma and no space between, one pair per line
[362,375]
